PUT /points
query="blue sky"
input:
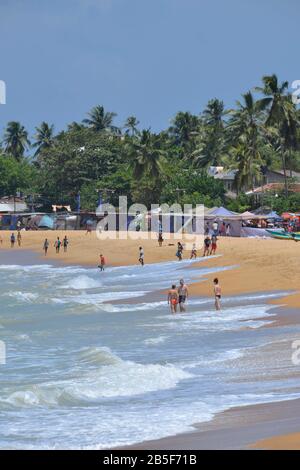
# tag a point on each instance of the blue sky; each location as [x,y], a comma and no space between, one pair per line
[149,58]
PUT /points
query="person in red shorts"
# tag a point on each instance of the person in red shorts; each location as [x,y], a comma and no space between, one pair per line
[173,298]
[213,245]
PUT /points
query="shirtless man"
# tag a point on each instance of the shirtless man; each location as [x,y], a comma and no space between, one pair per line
[173,298]
[217,292]
[183,294]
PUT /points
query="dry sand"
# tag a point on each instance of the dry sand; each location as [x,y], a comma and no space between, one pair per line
[262,264]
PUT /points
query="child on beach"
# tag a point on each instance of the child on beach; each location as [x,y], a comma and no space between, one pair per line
[141,256]
[194,252]
[173,298]
[217,292]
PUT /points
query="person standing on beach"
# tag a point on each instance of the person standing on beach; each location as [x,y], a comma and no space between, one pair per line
[216,227]
[12,240]
[57,245]
[217,292]
[102,263]
[65,244]
[213,245]
[19,238]
[179,251]
[183,294]
[173,298]
[207,242]
[194,252]
[141,256]
[46,246]
[160,239]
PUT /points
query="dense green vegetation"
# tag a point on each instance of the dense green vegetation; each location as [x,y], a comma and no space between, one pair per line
[171,166]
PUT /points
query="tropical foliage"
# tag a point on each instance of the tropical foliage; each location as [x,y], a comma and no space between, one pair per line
[95,155]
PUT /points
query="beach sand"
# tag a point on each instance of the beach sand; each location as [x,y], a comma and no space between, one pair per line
[260,265]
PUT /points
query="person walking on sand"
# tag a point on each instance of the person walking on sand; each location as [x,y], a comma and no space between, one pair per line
[179,251]
[173,298]
[217,292]
[214,240]
[102,263]
[141,256]
[19,238]
[46,246]
[183,294]
[12,240]
[65,244]
[57,245]
[194,252]
[160,239]
[207,243]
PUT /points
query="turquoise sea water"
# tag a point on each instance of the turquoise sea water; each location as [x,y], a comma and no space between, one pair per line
[87,369]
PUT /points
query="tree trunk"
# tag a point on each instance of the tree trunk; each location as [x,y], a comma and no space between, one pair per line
[286,190]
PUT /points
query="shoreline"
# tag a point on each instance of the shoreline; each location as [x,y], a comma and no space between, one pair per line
[255,426]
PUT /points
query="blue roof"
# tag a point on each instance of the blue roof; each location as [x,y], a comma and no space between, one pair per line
[222,212]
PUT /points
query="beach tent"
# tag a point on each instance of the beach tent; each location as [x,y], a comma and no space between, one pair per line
[46,222]
[248,215]
[222,212]
[273,215]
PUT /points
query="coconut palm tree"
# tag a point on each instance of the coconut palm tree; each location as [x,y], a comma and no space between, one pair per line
[210,136]
[16,139]
[99,120]
[147,157]
[131,125]
[43,137]
[183,129]
[282,115]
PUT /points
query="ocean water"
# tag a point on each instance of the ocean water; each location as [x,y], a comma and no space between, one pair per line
[95,360]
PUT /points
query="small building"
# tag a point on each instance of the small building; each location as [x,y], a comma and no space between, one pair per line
[11,205]
[227,176]
[277,176]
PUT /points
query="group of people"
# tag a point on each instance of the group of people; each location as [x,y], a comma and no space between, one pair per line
[57,245]
[14,239]
[179,296]
[221,229]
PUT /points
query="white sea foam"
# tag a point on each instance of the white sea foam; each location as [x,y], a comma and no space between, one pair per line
[82,282]
[113,377]
[27,297]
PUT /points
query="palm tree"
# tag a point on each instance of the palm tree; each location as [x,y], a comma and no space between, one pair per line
[43,137]
[245,130]
[16,139]
[100,121]
[147,157]
[131,125]
[183,129]
[282,115]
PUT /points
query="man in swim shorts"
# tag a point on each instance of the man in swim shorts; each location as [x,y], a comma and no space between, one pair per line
[182,295]
[173,298]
